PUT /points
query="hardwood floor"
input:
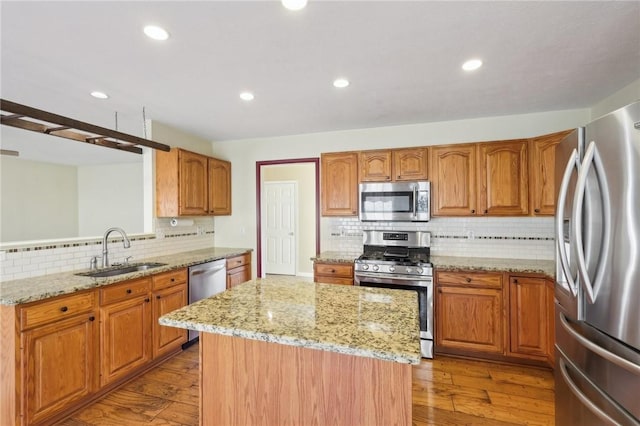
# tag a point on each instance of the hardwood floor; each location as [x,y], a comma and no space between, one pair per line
[446,392]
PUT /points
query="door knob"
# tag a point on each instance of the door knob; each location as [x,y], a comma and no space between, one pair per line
[291,233]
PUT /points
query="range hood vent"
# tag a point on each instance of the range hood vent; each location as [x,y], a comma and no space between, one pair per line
[36,120]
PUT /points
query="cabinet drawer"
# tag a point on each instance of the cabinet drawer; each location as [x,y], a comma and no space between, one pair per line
[126,290]
[472,279]
[169,279]
[237,261]
[57,309]
[343,270]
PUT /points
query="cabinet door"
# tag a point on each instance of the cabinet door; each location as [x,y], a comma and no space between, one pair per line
[453,174]
[238,275]
[469,319]
[543,187]
[125,337]
[193,183]
[375,166]
[339,192]
[219,187]
[59,365]
[410,164]
[529,316]
[168,339]
[503,183]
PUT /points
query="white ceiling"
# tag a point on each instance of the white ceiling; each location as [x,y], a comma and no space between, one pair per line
[402,58]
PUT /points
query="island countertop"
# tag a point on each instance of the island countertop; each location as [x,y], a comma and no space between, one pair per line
[362,321]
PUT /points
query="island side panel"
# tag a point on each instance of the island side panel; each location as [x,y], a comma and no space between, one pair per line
[246,381]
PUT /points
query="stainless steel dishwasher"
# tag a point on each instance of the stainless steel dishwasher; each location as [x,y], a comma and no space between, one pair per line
[206,280]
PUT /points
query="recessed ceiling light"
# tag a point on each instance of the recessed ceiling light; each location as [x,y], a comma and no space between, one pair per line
[294,4]
[99,95]
[246,96]
[156,33]
[341,83]
[472,64]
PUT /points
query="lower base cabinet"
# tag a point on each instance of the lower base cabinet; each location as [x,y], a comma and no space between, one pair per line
[58,365]
[61,352]
[333,273]
[238,270]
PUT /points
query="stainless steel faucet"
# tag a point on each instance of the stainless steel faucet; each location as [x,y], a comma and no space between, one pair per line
[105,249]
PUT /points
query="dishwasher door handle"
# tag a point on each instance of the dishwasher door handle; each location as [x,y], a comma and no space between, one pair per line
[203,271]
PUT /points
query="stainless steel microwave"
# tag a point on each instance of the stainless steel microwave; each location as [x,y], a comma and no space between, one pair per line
[395,201]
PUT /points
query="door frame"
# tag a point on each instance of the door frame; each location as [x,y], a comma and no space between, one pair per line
[297,222]
[316,162]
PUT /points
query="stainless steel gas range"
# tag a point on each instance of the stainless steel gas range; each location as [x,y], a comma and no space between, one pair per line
[400,260]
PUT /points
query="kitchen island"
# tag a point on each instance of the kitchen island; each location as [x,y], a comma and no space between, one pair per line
[276,351]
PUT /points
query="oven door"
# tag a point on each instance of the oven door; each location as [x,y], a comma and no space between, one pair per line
[422,285]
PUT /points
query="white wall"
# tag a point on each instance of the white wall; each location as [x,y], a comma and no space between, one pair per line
[622,97]
[174,137]
[107,194]
[39,200]
[244,153]
[304,175]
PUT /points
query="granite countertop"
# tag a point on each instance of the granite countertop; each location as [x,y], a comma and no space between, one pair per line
[362,321]
[46,286]
[460,263]
[454,263]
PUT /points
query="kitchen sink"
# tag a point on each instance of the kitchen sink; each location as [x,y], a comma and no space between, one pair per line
[119,270]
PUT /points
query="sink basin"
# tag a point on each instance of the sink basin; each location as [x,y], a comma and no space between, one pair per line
[119,270]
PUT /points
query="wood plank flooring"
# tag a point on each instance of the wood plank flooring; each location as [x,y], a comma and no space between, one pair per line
[446,392]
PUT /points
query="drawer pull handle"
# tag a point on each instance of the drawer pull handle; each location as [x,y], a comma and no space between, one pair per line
[92,318]
[64,309]
[468,280]
[128,291]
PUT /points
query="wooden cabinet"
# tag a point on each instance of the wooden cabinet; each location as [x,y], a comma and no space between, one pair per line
[169,294]
[503,187]
[125,329]
[375,166]
[542,185]
[410,164]
[333,273]
[453,176]
[238,270]
[530,316]
[219,187]
[339,190]
[190,184]
[393,165]
[59,355]
[469,313]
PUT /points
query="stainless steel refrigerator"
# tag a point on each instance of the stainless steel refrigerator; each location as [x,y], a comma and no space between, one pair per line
[597,371]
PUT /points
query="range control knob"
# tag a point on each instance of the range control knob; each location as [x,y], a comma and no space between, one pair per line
[365,266]
[375,267]
[392,268]
[419,270]
[409,270]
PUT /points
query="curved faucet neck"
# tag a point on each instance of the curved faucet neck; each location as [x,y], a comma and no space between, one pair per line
[105,249]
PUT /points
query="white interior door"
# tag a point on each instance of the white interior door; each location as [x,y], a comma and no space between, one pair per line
[280,227]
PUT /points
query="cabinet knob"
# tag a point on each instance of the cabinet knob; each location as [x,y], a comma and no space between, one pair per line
[147,300]
[92,318]
[173,280]
[128,291]
[333,271]
[468,280]
[64,309]
[473,212]
[486,211]
[398,177]
[537,210]
[515,281]
[158,297]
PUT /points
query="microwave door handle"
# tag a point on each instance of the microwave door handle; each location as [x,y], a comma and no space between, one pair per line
[591,158]
[415,201]
[572,164]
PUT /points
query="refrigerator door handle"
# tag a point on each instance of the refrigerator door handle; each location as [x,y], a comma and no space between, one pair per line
[598,350]
[572,164]
[591,157]
[582,397]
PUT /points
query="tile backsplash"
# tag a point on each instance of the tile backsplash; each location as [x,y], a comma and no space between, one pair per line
[508,237]
[50,258]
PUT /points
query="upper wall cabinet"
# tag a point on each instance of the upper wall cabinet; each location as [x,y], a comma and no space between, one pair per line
[393,165]
[339,191]
[453,177]
[187,184]
[219,187]
[503,188]
[542,185]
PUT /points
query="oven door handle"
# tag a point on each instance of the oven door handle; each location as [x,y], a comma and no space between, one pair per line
[418,281]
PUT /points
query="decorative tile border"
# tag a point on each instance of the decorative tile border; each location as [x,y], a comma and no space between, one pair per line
[91,242]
